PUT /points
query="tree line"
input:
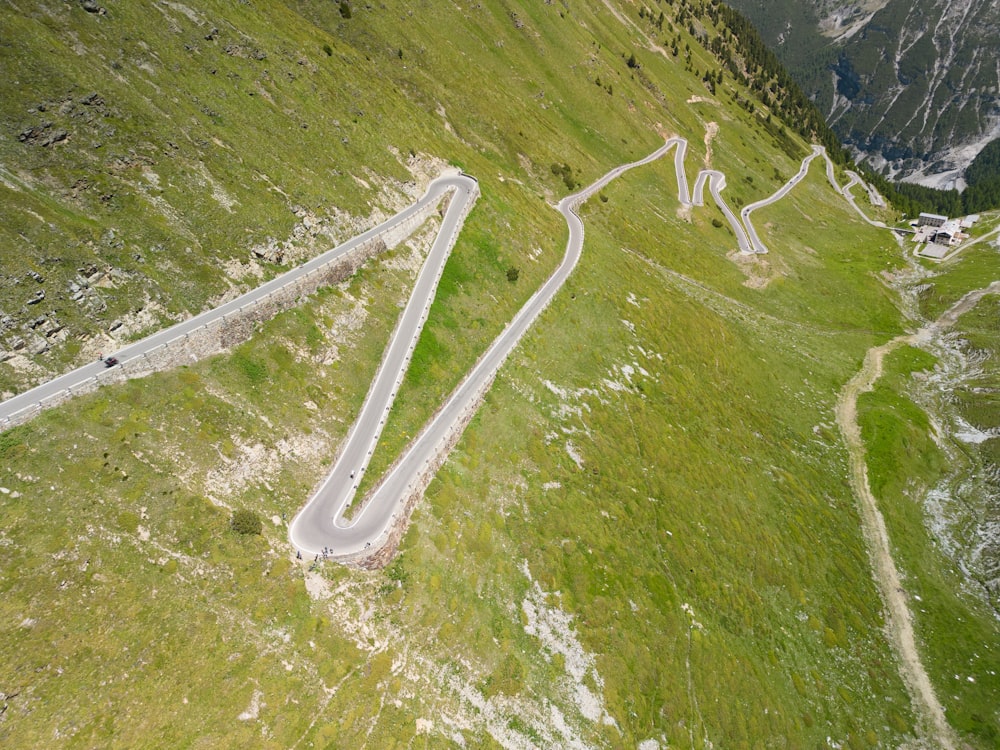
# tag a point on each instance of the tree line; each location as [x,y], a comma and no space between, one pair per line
[743,53]
[981,194]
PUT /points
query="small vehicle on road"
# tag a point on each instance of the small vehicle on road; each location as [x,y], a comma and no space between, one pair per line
[110,361]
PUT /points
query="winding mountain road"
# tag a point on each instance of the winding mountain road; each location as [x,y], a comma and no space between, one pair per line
[755,243]
[95,372]
[320,527]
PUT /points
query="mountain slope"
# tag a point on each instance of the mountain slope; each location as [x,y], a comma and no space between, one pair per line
[646,536]
[912,87]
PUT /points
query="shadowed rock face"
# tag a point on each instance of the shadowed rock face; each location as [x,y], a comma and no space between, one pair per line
[911,86]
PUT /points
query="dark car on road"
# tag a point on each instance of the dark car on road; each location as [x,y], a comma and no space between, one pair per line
[111,361]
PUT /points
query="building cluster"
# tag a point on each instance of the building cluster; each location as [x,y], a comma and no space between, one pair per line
[940,233]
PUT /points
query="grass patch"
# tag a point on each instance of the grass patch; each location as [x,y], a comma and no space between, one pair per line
[956,628]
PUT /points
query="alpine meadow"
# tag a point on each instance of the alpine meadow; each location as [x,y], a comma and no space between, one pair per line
[733,483]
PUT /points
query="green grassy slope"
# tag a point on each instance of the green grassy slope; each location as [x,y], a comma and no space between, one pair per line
[645,534]
[949,553]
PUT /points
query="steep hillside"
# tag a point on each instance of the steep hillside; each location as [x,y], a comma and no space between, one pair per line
[646,537]
[910,86]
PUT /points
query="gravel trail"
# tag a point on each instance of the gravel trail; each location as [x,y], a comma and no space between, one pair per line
[899,621]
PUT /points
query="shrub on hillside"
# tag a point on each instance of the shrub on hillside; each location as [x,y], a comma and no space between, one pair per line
[246,522]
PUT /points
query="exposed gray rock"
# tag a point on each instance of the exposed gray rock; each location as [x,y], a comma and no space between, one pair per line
[242,50]
[34,134]
[38,345]
[270,251]
[56,136]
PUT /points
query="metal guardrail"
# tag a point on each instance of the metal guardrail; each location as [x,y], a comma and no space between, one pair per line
[299,286]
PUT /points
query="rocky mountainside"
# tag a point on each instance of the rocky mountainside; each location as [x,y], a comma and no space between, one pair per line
[646,537]
[911,87]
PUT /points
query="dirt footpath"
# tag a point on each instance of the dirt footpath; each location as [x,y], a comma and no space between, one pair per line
[899,622]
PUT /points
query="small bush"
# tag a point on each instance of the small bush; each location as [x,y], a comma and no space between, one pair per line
[246,522]
[513,274]
[345,9]
[566,172]
[328,50]
[717,223]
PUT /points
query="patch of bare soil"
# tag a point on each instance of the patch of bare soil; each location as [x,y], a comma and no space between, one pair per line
[711,130]
[759,271]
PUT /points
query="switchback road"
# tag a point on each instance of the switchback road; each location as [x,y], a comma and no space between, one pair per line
[320,527]
[93,372]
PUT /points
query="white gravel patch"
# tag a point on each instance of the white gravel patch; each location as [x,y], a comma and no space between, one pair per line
[253,710]
[554,628]
[574,454]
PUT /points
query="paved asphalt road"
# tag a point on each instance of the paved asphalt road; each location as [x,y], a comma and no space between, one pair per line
[96,369]
[320,526]
[756,244]
[316,527]
[873,197]
[716,182]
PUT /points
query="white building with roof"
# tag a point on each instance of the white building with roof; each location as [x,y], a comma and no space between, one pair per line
[931,220]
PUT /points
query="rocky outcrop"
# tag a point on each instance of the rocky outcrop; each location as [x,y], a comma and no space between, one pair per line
[91,6]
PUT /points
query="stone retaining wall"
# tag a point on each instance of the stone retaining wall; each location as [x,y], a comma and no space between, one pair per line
[236,327]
